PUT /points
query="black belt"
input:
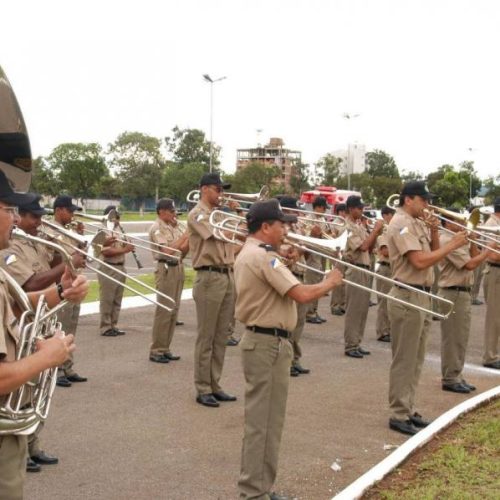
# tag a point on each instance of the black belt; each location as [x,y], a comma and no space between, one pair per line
[494,264]
[418,287]
[298,275]
[364,266]
[169,262]
[384,263]
[459,288]
[223,270]
[277,332]
[114,263]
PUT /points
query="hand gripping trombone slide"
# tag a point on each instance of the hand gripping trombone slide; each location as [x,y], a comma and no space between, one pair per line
[229,228]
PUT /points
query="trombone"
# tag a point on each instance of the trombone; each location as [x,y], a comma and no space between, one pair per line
[323,248]
[195,195]
[93,249]
[466,223]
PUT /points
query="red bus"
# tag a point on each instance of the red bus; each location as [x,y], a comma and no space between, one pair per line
[333,195]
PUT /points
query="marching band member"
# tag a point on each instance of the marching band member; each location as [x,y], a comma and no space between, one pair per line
[169,277]
[337,301]
[265,303]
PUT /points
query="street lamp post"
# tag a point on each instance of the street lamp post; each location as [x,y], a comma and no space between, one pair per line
[212,81]
[349,116]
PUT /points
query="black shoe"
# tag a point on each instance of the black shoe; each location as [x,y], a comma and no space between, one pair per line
[109,333]
[477,302]
[207,400]
[418,421]
[371,304]
[63,382]
[354,354]
[301,370]
[469,386]
[171,357]
[403,426]
[314,320]
[44,459]
[275,496]
[32,466]
[232,342]
[76,378]
[222,396]
[158,358]
[457,387]
[495,364]
[385,338]
[119,332]
[294,372]
[323,320]
[179,323]
[337,311]
[364,352]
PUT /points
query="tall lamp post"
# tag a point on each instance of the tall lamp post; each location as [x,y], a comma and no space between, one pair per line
[212,81]
[349,116]
[471,151]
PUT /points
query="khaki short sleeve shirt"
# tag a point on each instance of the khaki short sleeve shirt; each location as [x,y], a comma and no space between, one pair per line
[24,258]
[206,249]
[405,234]
[115,259]
[493,221]
[451,268]
[9,334]
[382,241]
[262,282]
[164,234]
[356,235]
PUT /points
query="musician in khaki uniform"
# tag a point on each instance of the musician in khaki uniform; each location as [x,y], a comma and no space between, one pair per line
[413,250]
[213,293]
[455,281]
[491,357]
[337,301]
[33,267]
[266,296]
[50,353]
[357,251]
[111,292]
[169,277]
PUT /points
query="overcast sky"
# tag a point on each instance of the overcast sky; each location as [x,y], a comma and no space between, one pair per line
[423,75]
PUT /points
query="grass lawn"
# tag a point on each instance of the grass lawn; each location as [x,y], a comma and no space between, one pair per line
[463,462]
[146,278]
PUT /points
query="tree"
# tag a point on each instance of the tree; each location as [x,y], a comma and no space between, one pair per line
[299,180]
[45,180]
[492,186]
[189,146]
[77,168]
[468,173]
[412,175]
[251,178]
[381,164]
[139,164]
[177,182]
[330,166]
[452,190]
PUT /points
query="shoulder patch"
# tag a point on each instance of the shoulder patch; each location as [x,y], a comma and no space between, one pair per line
[275,263]
[403,230]
[10,259]
[199,217]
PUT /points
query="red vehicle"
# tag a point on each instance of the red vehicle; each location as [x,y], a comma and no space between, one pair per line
[333,195]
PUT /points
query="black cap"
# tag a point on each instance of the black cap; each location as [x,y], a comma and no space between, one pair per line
[416,188]
[340,208]
[320,201]
[165,204]
[288,202]
[267,211]
[65,201]
[10,197]
[354,202]
[387,210]
[33,207]
[109,208]
[213,179]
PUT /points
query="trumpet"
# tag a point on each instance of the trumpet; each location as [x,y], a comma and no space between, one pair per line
[466,223]
[90,251]
[194,196]
[324,248]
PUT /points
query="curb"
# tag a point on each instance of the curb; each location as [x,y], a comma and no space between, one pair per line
[378,472]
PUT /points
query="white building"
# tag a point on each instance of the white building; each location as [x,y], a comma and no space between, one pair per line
[353,159]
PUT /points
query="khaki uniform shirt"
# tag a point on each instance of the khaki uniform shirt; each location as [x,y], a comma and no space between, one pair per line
[493,221]
[451,268]
[357,234]
[262,282]
[382,241]
[296,269]
[164,234]
[206,249]
[406,233]
[115,259]
[24,258]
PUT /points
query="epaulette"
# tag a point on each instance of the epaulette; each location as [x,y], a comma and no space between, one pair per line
[267,248]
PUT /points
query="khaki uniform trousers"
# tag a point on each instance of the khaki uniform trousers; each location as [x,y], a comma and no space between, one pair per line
[34,441]
[409,330]
[338,293]
[12,466]
[492,323]
[110,297]
[170,281]
[357,304]
[297,332]
[383,327]
[214,296]
[311,278]
[69,321]
[478,277]
[266,366]
[455,335]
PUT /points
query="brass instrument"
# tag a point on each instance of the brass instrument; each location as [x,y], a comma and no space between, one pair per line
[194,196]
[324,248]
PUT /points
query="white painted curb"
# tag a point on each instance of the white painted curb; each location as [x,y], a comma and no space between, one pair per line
[379,471]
